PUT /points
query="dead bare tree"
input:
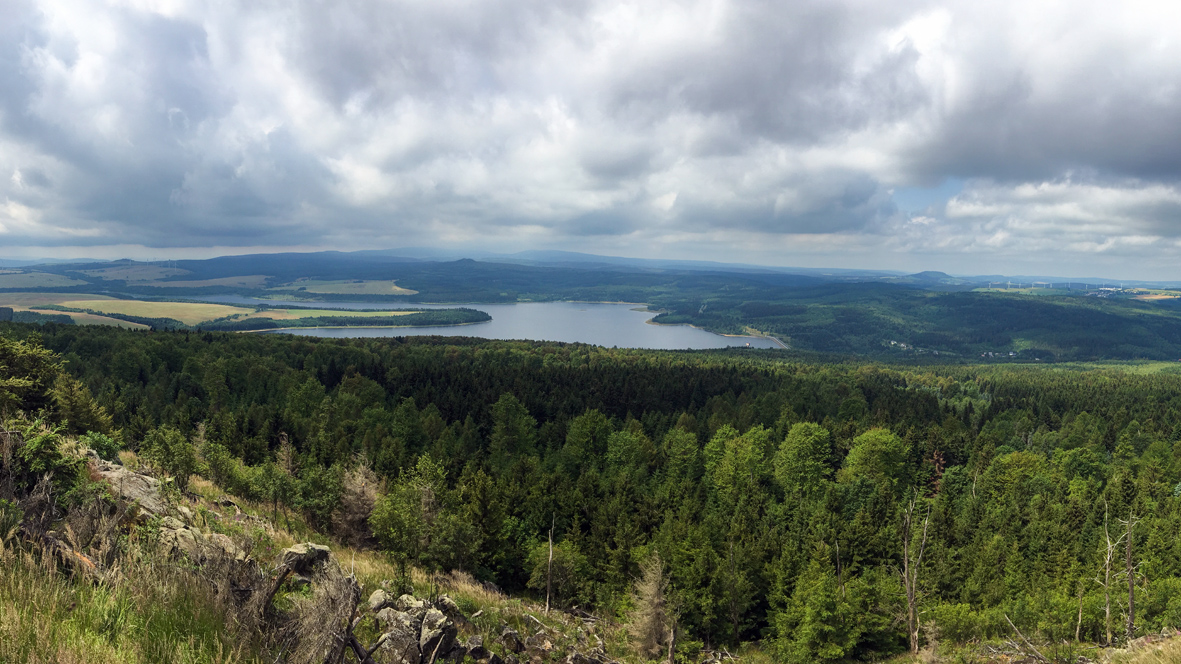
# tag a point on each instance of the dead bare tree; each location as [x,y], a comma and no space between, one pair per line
[549,569]
[652,624]
[1130,572]
[910,569]
[1109,550]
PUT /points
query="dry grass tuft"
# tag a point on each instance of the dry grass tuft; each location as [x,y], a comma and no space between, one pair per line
[1161,652]
[143,611]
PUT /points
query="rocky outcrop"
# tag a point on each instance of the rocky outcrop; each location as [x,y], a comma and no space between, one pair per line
[302,558]
[417,631]
[177,537]
[133,487]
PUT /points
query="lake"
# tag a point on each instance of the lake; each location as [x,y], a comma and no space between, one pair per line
[609,325]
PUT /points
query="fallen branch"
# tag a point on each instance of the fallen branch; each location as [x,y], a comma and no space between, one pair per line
[1036,655]
[284,572]
[365,656]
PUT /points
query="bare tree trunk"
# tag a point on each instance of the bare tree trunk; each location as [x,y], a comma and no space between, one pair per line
[672,642]
[1130,572]
[549,568]
[1109,549]
[910,572]
[1078,626]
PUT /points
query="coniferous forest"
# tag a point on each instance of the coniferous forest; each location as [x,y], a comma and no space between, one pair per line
[832,511]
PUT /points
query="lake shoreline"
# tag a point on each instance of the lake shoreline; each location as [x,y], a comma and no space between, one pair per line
[608,324]
[273,330]
[782,346]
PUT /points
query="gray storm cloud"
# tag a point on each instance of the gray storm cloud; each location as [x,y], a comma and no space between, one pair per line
[748,128]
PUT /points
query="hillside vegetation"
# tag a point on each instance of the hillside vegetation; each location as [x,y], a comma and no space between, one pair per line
[717,502]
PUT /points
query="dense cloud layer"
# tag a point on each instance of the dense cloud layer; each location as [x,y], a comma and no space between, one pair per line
[778,132]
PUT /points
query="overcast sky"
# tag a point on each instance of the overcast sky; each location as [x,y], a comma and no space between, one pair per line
[1008,136]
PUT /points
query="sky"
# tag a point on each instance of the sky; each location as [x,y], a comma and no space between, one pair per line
[1000,137]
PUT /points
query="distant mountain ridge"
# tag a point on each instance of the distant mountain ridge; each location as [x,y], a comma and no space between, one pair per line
[284,264]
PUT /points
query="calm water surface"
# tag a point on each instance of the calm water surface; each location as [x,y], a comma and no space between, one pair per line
[610,325]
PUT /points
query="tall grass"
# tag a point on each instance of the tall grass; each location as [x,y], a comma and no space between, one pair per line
[148,612]
[1167,652]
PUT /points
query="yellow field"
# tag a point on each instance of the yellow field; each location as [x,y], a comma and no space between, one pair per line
[388,287]
[36,280]
[34,301]
[189,313]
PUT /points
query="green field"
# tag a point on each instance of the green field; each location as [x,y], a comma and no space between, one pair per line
[292,314]
[349,287]
[36,280]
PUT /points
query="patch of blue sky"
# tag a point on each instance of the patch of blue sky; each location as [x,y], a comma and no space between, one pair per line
[918,200]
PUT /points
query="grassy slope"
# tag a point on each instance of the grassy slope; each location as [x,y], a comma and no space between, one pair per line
[157,610]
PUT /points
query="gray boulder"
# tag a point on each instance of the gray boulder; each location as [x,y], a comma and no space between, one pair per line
[223,545]
[302,557]
[391,618]
[512,640]
[379,600]
[448,607]
[177,538]
[181,541]
[437,637]
[408,604]
[539,643]
[400,645]
[475,648]
[134,487]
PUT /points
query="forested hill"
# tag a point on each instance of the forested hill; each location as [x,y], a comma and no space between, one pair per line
[928,315]
[780,499]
